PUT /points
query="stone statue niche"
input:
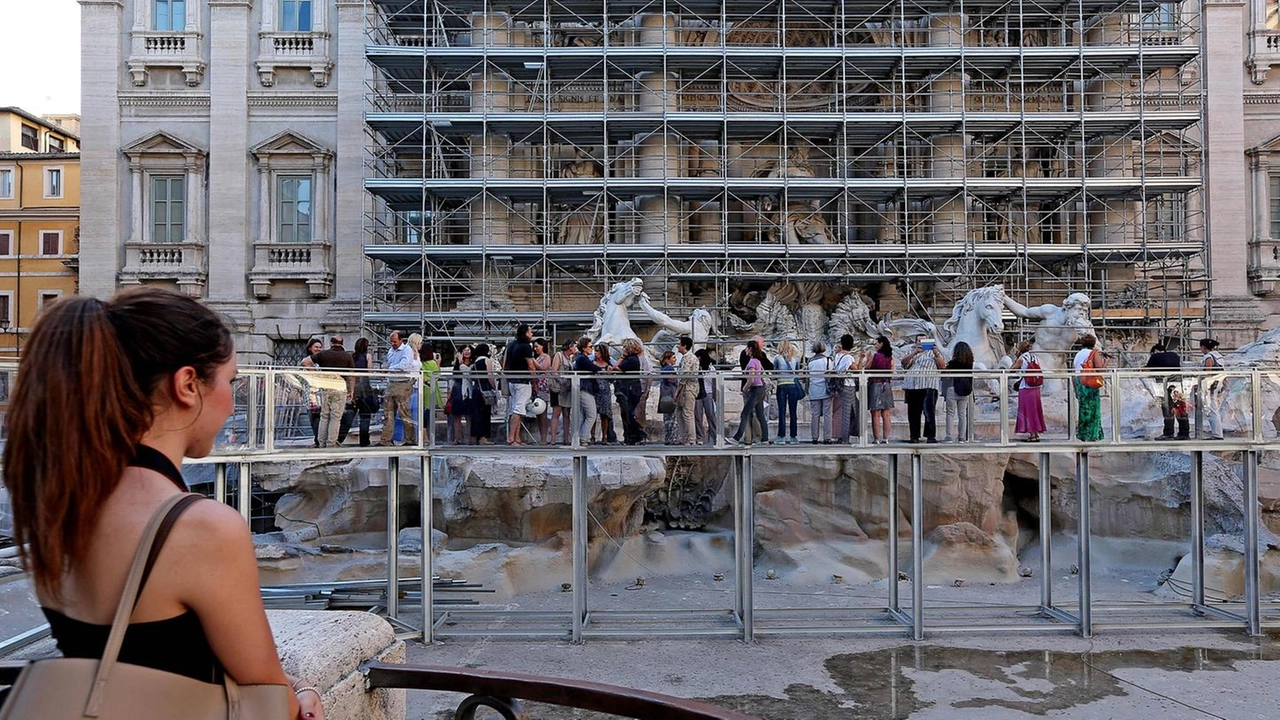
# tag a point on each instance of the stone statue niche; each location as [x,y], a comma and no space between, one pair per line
[801,220]
[582,224]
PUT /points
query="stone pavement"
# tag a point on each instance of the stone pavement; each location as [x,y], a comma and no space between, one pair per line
[1198,675]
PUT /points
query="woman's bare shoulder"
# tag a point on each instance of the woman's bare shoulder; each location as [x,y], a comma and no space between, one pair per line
[212,528]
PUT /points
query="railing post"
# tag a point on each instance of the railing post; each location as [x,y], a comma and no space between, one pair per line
[251,412]
[269,411]
[1046,533]
[895,604]
[1255,380]
[1114,389]
[1073,412]
[745,549]
[917,546]
[428,557]
[579,520]
[393,536]
[864,425]
[1083,530]
[1253,613]
[721,430]
[220,483]
[1003,395]
[1197,527]
[575,412]
[739,533]
[244,492]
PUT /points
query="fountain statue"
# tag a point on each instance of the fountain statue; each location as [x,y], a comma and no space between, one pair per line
[1059,328]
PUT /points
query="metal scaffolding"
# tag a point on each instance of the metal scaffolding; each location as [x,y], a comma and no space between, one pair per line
[524,155]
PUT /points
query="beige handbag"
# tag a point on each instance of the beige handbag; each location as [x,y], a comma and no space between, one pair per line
[71,688]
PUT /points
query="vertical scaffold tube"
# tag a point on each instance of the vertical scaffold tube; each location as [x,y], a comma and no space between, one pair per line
[1197,528]
[1083,531]
[917,547]
[393,537]
[1251,601]
[579,546]
[1046,534]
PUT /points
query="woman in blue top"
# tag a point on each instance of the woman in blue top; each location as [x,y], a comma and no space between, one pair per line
[788,365]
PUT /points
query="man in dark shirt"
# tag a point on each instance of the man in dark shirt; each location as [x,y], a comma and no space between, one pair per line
[1169,384]
[518,362]
[335,406]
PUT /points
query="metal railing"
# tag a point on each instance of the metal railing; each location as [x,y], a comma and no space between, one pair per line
[1246,395]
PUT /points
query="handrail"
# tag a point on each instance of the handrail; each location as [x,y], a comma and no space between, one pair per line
[508,688]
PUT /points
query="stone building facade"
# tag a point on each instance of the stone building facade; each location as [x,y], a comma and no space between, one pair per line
[223,144]
[247,118]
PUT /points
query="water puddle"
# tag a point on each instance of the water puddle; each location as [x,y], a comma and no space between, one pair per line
[883,684]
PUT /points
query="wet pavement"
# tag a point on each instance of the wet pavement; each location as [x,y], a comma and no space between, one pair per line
[1171,677]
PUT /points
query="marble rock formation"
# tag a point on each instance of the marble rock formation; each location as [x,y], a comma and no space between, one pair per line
[337,497]
[529,499]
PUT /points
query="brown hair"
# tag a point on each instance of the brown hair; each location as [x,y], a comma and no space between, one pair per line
[85,395]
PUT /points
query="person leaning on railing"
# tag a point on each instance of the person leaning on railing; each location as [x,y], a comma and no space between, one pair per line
[1170,385]
[85,485]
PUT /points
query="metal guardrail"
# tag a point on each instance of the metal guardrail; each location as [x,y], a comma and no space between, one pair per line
[1082,614]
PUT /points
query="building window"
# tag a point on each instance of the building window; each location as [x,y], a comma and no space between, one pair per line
[293,209]
[53,182]
[168,208]
[1164,18]
[30,138]
[295,15]
[56,145]
[1167,219]
[6,243]
[46,298]
[51,242]
[413,226]
[170,15]
[6,183]
[6,310]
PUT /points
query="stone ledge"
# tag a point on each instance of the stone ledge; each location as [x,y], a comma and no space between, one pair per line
[326,649]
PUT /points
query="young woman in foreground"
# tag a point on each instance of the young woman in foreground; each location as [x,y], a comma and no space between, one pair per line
[110,397]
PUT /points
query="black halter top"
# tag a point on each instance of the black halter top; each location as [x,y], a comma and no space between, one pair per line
[177,644]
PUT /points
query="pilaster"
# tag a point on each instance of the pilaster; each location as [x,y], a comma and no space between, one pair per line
[348,178]
[101,246]
[229,33]
[1226,172]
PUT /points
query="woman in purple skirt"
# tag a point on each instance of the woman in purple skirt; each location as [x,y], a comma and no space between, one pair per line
[1030,411]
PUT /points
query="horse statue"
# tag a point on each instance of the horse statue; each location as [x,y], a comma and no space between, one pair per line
[977,320]
[612,322]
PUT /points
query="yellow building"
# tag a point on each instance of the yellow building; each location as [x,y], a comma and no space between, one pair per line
[39,220]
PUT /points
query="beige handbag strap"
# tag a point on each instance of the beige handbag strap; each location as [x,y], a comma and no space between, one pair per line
[128,598]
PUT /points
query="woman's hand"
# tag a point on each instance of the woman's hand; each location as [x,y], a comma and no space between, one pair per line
[309,707]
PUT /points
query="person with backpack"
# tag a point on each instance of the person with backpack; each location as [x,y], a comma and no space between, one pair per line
[843,388]
[819,396]
[1164,358]
[958,393]
[1088,365]
[1030,409]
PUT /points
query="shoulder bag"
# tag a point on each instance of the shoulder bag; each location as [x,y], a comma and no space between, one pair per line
[1090,372]
[76,688]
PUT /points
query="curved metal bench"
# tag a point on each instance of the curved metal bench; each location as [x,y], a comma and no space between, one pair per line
[504,691]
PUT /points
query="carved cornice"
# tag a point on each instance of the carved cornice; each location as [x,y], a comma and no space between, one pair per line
[263,100]
[164,100]
[1262,98]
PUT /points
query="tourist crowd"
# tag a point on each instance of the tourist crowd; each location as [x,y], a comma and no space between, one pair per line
[530,389]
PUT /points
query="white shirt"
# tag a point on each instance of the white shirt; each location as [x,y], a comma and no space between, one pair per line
[401,359]
[1081,357]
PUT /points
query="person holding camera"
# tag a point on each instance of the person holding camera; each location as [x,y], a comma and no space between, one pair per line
[920,386]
